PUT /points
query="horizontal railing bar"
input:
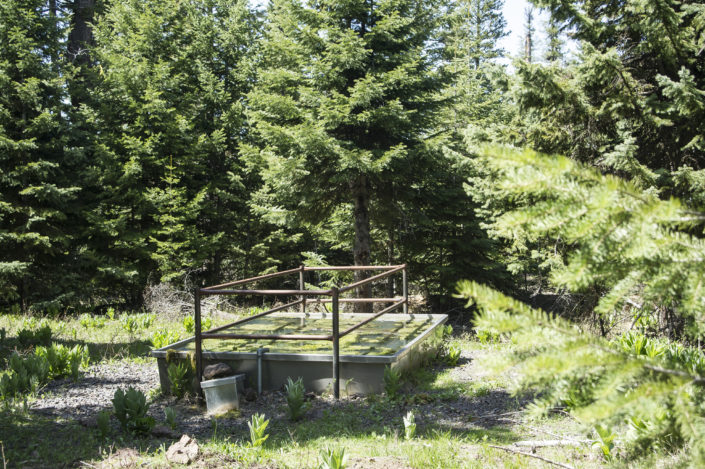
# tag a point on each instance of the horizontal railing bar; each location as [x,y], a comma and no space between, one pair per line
[254,316]
[266,292]
[252,279]
[372,279]
[350,267]
[355,300]
[362,323]
[267,336]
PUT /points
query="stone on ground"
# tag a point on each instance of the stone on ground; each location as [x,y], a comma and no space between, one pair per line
[185,451]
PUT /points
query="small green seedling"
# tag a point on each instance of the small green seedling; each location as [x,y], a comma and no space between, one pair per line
[333,458]
[452,355]
[392,382]
[409,425]
[295,399]
[605,441]
[103,421]
[258,429]
[170,417]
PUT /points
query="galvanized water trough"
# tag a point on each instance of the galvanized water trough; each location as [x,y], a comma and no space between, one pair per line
[361,371]
[258,352]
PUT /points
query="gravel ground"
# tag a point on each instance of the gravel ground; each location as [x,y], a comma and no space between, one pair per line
[82,400]
[94,391]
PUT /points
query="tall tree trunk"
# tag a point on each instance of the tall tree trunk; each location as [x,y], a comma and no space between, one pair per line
[361,246]
[80,39]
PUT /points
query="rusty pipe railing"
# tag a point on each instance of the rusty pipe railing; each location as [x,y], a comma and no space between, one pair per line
[302,293]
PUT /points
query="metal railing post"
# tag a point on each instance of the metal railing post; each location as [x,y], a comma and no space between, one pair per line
[197,330]
[405,287]
[336,345]
[302,286]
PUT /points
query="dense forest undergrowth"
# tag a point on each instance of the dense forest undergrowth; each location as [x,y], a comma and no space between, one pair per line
[150,147]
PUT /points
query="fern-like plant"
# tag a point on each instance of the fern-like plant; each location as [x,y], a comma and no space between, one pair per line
[296,399]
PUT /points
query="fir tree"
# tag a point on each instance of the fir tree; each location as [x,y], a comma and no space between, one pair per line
[346,97]
[555,43]
[633,104]
[474,32]
[172,194]
[639,252]
[529,32]
[36,195]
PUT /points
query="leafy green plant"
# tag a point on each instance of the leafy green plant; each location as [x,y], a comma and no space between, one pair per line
[131,411]
[88,321]
[451,355]
[63,360]
[409,425]
[190,324]
[110,313]
[333,458]
[145,320]
[129,323]
[24,374]
[392,382]
[27,373]
[170,417]
[258,429]
[295,399]
[605,441]
[179,378]
[163,337]
[103,422]
[41,336]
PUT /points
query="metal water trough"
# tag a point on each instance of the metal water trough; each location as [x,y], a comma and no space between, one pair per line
[359,374]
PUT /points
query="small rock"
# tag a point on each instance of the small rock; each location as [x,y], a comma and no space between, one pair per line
[250,395]
[217,370]
[184,451]
[90,421]
[309,396]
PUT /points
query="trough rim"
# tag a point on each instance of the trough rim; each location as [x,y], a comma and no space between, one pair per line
[438,319]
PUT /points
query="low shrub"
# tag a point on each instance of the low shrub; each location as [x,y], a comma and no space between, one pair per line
[131,411]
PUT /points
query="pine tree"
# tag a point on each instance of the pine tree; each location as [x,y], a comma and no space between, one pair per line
[345,97]
[36,195]
[634,102]
[641,254]
[169,112]
[529,32]
[555,43]
[474,32]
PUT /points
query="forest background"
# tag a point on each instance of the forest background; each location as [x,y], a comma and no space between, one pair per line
[186,142]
